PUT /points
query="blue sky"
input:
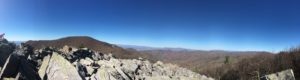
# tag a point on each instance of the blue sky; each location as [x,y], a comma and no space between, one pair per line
[269,25]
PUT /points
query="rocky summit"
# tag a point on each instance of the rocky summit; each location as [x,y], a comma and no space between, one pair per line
[70,63]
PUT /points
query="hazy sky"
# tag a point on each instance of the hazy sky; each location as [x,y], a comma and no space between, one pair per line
[199,24]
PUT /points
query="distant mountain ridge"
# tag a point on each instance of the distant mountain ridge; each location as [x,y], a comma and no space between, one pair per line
[145,48]
[202,61]
[18,42]
[136,47]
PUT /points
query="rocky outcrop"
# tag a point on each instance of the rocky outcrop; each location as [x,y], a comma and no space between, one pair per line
[89,65]
[70,63]
[283,75]
[17,65]
[6,49]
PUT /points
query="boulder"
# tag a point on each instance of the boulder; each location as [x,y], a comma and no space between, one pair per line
[60,69]
[85,67]
[123,75]
[66,49]
[97,56]
[18,65]
[108,57]
[145,68]
[86,62]
[89,70]
[6,49]
[103,74]
[81,69]
[158,78]
[130,67]
[81,54]
[10,68]
[27,71]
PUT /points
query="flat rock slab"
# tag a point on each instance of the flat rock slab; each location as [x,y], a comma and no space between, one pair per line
[42,70]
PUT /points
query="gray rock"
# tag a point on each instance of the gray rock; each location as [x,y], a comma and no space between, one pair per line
[103,74]
[27,70]
[60,69]
[90,70]
[6,49]
[108,57]
[43,67]
[130,66]
[86,61]
[10,68]
[66,49]
[97,56]
[18,65]
[124,75]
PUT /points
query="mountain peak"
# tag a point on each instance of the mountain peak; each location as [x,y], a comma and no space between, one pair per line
[78,37]
[85,41]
